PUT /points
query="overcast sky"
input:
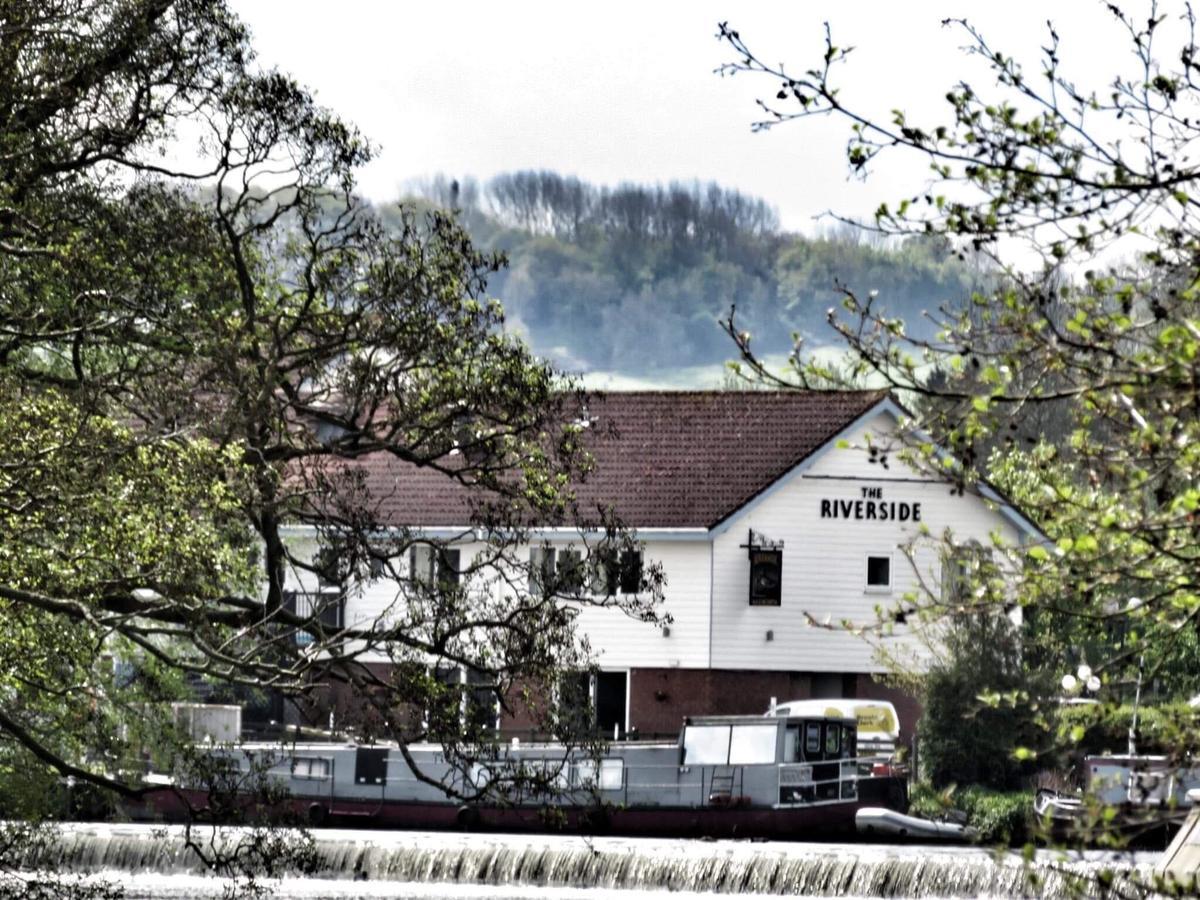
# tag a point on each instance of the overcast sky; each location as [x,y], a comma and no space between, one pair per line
[625,91]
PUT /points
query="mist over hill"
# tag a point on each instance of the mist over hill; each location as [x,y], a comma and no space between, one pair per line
[633,279]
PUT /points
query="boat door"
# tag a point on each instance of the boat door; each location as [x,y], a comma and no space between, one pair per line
[370,769]
[611,696]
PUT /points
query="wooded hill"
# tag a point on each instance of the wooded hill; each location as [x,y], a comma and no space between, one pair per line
[634,278]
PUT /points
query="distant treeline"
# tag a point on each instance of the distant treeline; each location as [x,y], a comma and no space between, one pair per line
[634,278]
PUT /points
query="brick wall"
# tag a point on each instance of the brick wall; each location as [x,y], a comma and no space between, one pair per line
[660,698]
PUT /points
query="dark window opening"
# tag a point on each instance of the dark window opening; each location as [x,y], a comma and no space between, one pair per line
[631,572]
[849,742]
[332,567]
[541,570]
[330,609]
[610,703]
[615,572]
[448,567]
[879,571]
[483,705]
[327,607]
[593,703]
[574,703]
[444,707]
[570,572]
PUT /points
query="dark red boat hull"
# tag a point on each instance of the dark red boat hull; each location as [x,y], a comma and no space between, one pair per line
[733,820]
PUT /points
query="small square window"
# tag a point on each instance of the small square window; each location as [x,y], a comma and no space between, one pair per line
[879,571]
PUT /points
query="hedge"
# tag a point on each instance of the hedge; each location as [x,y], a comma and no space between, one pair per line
[999,817]
[1098,728]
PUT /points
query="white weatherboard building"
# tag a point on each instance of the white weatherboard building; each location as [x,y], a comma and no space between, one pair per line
[772,515]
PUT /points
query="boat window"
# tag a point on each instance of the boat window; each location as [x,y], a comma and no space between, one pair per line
[481,776]
[583,773]
[849,739]
[310,767]
[752,744]
[833,739]
[554,773]
[812,738]
[791,744]
[706,745]
[612,774]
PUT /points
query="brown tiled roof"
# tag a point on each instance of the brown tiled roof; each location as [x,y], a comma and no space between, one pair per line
[666,459]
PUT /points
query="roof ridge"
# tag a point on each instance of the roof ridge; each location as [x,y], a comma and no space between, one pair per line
[799,392]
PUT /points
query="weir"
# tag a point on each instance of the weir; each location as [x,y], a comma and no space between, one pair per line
[856,870]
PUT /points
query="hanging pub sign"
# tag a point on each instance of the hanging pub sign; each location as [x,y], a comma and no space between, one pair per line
[766,577]
[766,570]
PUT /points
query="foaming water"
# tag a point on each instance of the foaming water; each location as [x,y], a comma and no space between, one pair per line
[197,887]
[154,862]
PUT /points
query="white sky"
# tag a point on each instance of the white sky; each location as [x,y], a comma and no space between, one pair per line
[625,91]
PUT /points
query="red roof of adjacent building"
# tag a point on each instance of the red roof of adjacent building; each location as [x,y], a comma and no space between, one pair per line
[663,459]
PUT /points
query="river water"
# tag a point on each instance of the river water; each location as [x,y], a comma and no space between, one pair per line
[151,862]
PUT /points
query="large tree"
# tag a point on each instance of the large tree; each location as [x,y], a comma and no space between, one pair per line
[202,333]
[1084,199]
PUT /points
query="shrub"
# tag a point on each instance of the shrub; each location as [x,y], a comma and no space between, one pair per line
[964,740]
[999,817]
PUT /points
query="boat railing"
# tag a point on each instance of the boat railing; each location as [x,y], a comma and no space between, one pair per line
[810,783]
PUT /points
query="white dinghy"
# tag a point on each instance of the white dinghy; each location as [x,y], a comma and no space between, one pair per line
[882,822]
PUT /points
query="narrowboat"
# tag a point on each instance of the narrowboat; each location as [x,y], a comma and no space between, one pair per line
[726,776]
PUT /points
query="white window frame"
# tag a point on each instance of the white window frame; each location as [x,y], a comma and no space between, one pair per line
[425,564]
[593,692]
[308,775]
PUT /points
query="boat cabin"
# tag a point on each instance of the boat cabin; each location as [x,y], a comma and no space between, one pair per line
[878,722]
[815,758]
